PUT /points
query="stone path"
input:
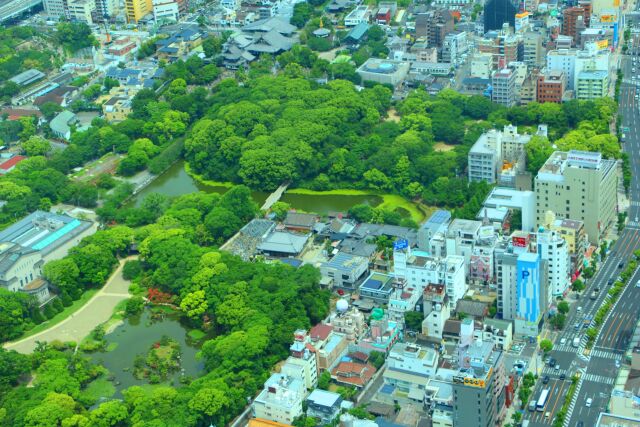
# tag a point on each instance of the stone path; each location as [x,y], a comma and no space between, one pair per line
[77,326]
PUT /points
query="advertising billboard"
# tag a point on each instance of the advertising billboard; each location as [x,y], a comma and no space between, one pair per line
[528,293]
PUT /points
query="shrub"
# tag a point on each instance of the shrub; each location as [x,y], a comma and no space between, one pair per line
[131,270]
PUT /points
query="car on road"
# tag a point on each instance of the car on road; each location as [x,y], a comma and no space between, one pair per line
[580,424]
[545,380]
[638,284]
[563,341]
[597,289]
[617,363]
[610,282]
[552,362]
[557,367]
[589,402]
[576,342]
[579,309]
[563,377]
[621,264]
[547,415]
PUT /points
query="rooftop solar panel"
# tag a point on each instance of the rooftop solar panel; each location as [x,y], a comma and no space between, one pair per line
[372,284]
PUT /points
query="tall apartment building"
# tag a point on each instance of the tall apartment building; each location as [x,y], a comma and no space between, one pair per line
[485,157]
[434,26]
[575,19]
[499,12]
[533,50]
[507,251]
[592,84]
[504,46]
[504,87]
[56,9]
[137,9]
[478,386]
[82,10]
[454,47]
[280,400]
[551,86]
[555,251]
[578,185]
[531,294]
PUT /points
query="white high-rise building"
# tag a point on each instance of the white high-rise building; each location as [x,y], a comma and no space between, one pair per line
[419,269]
[554,249]
[573,61]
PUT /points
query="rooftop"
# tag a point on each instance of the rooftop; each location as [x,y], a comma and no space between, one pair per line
[43,231]
[324,398]
[11,162]
[27,77]
[346,262]
[283,242]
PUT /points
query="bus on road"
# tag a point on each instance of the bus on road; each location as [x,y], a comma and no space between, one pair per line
[542,400]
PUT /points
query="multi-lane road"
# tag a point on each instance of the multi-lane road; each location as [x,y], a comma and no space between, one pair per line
[598,370]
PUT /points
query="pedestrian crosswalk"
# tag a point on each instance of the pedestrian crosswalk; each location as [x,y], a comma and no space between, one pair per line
[635,203]
[598,379]
[606,355]
[547,370]
[633,224]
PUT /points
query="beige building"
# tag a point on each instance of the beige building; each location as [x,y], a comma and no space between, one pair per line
[573,233]
[137,9]
[116,109]
[578,185]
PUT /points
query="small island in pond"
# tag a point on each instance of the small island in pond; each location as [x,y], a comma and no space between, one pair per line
[162,359]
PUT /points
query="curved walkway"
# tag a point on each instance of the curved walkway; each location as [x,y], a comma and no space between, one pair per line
[97,310]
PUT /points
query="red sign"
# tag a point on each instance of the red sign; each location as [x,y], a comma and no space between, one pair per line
[519,241]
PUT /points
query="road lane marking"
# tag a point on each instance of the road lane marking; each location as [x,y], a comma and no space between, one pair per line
[553,411]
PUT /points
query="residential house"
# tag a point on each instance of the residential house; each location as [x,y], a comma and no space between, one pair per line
[8,165]
[328,345]
[353,373]
[180,44]
[323,405]
[475,309]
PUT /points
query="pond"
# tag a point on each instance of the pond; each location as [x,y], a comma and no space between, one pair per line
[136,336]
[176,181]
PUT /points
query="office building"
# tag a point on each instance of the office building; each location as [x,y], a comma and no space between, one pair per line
[531,295]
[581,186]
[592,85]
[573,233]
[357,16]
[82,10]
[434,26]
[507,198]
[345,270]
[573,61]
[384,71]
[137,9]
[454,48]
[534,52]
[478,384]
[105,9]
[485,157]
[504,87]
[165,10]
[499,12]
[551,86]
[56,9]
[280,400]
[437,223]
[555,251]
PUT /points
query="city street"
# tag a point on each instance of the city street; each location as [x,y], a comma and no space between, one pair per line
[598,369]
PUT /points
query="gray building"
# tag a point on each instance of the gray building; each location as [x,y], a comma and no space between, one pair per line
[377,287]
[323,405]
[484,158]
[436,223]
[478,386]
[385,71]
[504,87]
[27,77]
[534,52]
[61,124]
[345,269]
[581,186]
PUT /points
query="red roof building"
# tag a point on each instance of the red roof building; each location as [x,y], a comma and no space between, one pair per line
[320,332]
[8,166]
[355,374]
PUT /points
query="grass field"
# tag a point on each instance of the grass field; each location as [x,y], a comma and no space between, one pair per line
[389,201]
[196,334]
[68,311]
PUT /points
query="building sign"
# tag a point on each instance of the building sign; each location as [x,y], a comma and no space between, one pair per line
[400,244]
[474,382]
[602,44]
[528,285]
[608,19]
[519,241]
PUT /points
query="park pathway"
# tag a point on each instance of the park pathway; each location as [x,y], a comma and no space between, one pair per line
[77,326]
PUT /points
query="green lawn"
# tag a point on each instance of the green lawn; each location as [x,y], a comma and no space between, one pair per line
[389,201]
[62,315]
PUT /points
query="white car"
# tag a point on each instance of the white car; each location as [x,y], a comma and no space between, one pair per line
[588,402]
[563,341]
[638,284]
